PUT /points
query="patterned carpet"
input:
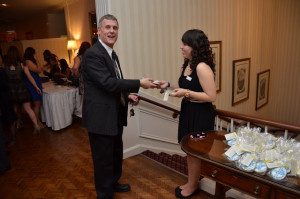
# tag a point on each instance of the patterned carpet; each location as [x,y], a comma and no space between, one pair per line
[175,162]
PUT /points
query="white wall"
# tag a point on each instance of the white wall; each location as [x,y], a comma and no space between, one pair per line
[58,46]
[285,62]
[57,25]
[77,19]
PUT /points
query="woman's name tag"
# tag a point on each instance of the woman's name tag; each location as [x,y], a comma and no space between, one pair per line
[188,78]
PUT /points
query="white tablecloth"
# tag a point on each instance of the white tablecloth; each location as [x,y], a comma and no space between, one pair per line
[59,105]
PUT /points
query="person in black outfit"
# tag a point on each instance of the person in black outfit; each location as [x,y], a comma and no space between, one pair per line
[105,105]
[7,107]
[54,67]
[65,70]
[4,161]
[17,87]
[7,115]
[198,89]
[47,53]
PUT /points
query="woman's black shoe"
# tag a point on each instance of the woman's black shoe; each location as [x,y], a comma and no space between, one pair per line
[179,195]
[177,191]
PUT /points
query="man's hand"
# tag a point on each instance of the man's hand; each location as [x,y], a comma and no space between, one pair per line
[133,99]
[163,84]
[147,83]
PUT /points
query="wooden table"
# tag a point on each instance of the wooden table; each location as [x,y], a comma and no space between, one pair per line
[216,167]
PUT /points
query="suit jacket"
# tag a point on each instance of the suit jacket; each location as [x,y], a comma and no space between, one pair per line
[102,110]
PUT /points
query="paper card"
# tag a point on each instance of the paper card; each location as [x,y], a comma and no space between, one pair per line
[238,150]
[230,152]
[172,92]
[247,160]
[167,93]
[230,136]
[298,171]
[188,78]
[166,97]
[294,167]
[156,82]
[250,148]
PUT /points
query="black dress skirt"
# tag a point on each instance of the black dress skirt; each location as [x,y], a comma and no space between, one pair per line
[6,104]
[194,116]
[17,87]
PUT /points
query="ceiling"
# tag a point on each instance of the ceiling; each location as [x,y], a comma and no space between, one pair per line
[17,10]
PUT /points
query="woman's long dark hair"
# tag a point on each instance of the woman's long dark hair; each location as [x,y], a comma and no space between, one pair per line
[47,53]
[13,56]
[28,55]
[83,47]
[201,50]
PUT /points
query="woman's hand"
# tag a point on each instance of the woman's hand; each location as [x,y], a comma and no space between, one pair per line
[180,92]
[38,90]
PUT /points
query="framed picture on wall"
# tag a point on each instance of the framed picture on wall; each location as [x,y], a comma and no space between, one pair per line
[216,47]
[262,90]
[93,24]
[241,80]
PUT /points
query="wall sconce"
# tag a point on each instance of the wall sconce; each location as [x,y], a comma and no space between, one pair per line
[72,45]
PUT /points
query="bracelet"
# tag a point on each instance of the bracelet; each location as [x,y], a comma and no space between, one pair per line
[169,84]
[187,93]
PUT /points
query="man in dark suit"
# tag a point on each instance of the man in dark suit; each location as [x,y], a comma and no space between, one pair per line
[105,106]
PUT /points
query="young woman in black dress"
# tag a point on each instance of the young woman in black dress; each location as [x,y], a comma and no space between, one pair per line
[197,87]
[18,90]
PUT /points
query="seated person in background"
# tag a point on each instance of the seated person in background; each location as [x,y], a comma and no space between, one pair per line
[47,53]
[65,70]
[54,67]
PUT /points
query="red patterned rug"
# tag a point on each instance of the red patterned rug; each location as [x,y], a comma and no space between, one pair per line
[175,162]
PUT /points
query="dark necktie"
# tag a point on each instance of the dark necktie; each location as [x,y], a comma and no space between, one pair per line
[117,70]
[118,73]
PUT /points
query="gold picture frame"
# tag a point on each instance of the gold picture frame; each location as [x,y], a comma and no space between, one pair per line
[93,24]
[241,80]
[216,47]
[262,89]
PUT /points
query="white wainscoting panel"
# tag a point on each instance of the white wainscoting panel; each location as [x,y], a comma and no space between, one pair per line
[152,128]
[154,125]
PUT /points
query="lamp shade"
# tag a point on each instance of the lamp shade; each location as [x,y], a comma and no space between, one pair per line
[72,45]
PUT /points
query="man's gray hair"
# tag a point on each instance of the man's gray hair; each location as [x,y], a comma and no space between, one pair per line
[107,16]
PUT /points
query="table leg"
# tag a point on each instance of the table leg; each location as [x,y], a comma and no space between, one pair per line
[220,191]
